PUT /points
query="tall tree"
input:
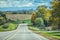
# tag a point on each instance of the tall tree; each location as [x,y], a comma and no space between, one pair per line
[33,17]
[56,13]
[44,13]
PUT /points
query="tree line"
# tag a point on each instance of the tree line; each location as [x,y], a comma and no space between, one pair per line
[44,17]
[3,18]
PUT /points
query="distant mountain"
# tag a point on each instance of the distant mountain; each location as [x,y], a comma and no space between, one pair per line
[17,8]
[20,11]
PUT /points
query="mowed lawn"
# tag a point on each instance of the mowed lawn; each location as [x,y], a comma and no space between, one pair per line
[18,16]
[11,26]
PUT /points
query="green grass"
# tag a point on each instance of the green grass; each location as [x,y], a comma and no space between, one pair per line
[53,34]
[46,33]
[28,21]
[34,28]
[12,26]
[1,28]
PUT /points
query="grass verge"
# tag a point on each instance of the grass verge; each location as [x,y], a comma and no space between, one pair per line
[12,26]
[49,35]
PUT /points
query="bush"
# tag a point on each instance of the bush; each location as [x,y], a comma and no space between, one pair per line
[6,25]
[39,22]
[2,21]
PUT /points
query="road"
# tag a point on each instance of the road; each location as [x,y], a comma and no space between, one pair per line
[21,33]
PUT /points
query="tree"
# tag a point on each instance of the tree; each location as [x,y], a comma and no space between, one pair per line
[44,13]
[39,22]
[56,8]
[56,13]
[41,11]
[3,18]
[33,17]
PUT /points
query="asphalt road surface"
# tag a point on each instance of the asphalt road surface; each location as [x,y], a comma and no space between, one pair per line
[21,33]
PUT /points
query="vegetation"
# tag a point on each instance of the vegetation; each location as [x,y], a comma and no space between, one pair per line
[55,35]
[20,12]
[11,26]
[50,17]
[39,22]
[3,18]
[33,18]
[34,28]
[9,20]
[6,24]
[56,13]
[48,34]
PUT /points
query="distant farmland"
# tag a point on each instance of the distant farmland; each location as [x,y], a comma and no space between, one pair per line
[18,16]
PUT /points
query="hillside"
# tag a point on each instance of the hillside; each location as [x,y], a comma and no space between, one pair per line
[18,16]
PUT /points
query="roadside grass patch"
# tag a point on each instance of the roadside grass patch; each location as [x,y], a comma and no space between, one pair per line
[50,35]
[1,28]
[53,34]
[28,21]
[12,26]
[34,28]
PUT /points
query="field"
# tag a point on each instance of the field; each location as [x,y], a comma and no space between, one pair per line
[18,16]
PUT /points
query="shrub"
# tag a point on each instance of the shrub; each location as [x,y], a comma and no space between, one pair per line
[5,26]
[39,22]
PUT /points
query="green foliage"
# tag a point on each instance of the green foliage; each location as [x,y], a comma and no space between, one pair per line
[52,34]
[56,8]
[52,17]
[42,12]
[5,26]
[56,13]
[12,26]
[28,21]
[9,26]
[34,28]
[39,22]
[3,18]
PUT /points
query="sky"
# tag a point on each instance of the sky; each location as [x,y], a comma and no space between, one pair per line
[12,5]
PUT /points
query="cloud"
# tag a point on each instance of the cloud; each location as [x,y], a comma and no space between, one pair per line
[5,4]
[23,3]
[39,4]
[15,4]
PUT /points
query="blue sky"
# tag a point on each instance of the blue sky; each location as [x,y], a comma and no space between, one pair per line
[12,5]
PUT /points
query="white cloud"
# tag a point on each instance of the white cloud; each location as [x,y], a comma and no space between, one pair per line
[5,4]
[20,3]
[25,5]
[43,3]
[15,4]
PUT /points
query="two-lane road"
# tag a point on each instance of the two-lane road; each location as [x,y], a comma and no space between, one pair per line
[21,33]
